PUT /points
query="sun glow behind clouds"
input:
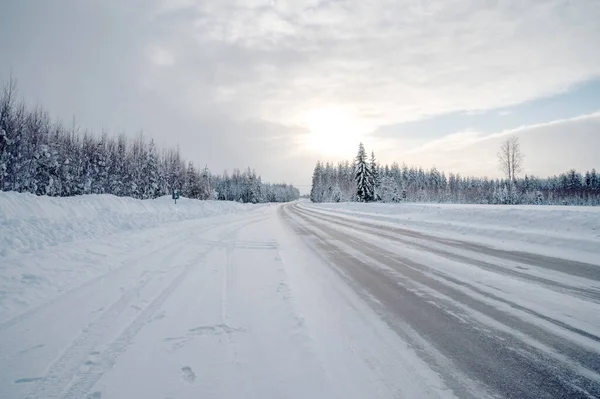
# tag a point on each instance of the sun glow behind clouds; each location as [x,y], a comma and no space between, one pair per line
[333,131]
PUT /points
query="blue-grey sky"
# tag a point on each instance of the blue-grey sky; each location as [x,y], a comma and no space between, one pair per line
[278,84]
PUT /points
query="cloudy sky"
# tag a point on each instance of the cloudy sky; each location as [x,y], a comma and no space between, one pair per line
[278,84]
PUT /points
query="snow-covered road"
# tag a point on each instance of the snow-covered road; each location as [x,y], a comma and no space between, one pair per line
[491,321]
[296,301]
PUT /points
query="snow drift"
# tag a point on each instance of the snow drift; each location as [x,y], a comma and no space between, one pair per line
[29,222]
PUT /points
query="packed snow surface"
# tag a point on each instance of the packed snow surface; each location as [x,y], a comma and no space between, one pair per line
[106,297]
[572,231]
[99,223]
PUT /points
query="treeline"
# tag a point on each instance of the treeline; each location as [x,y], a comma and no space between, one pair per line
[42,157]
[366,180]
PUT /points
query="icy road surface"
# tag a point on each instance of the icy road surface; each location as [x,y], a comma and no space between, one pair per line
[298,301]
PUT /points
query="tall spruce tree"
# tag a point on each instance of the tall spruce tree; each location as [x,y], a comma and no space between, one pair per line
[363,176]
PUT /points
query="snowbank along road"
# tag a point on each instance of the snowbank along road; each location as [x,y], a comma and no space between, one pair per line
[301,301]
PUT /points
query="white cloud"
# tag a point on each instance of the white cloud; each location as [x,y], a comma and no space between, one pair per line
[405,59]
[195,72]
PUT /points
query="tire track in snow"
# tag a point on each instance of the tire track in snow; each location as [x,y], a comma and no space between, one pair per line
[83,383]
[569,267]
[228,286]
[426,272]
[464,343]
[127,262]
[66,366]
[417,272]
[462,385]
[587,294]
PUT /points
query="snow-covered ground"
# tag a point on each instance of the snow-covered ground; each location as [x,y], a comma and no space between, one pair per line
[512,238]
[563,231]
[104,297]
[48,245]
[527,277]
[160,302]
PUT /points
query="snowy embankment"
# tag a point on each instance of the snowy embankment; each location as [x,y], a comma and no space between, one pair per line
[29,222]
[50,245]
[563,231]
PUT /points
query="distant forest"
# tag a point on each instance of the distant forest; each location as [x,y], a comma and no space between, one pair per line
[365,180]
[46,158]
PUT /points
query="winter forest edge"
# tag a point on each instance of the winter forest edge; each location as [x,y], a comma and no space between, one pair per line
[46,158]
[365,180]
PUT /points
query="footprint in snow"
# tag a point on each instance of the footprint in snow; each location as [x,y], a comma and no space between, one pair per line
[188,375]
[28,380]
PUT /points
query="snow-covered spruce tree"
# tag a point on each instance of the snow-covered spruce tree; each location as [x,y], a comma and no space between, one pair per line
[316,191]
[7,119]
[151,173]
[204,185]
[100,165]
[14,151]
[46,171]
[375,178]
[4,154]
[389,190]
[118,178]
[191,186]
[331,184]
[363,176]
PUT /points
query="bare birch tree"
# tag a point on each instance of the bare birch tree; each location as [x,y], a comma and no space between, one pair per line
[510,158]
